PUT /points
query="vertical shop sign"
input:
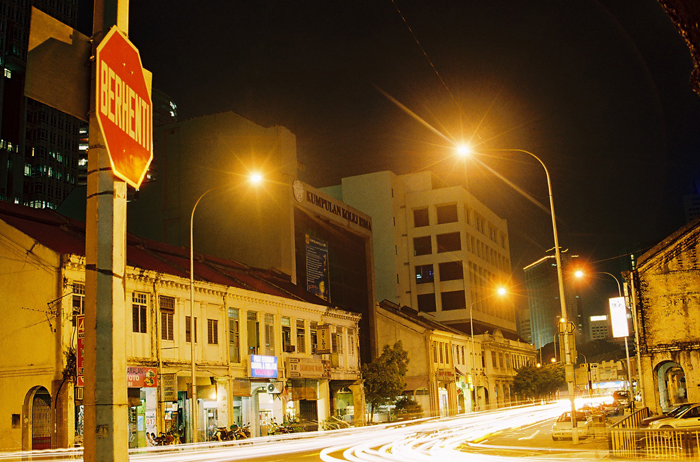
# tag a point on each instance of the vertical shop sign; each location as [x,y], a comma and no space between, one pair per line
[79,353]
[323,333]
[167,381]
[317,281]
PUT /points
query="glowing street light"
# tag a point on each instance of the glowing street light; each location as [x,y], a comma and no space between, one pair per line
[253,178]
[464,150]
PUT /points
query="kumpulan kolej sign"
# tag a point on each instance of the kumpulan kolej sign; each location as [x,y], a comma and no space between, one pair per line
[336,209]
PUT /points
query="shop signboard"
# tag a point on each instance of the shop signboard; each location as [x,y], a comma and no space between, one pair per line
[240,387]
[169,384]
[141,377]
[323,339]
[307,368]
[445,375]
[263,366]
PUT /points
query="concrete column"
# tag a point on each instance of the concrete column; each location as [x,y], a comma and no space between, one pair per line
[105,432]
[452,398]
[434,395]
[323,401]
[358,401]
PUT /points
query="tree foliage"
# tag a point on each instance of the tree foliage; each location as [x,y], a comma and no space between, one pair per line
[384,377]
[407,408]
[538,382]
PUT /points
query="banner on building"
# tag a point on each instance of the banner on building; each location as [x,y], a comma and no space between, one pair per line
[263,366]
[80,380]
[141,377]
[618,317]
[317,281]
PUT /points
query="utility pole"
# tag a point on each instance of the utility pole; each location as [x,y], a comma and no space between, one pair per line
[105,432]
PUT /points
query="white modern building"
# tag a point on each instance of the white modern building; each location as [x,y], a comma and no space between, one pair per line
[436,248]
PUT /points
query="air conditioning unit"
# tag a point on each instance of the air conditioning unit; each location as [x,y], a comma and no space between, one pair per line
[289,348]
[274,388]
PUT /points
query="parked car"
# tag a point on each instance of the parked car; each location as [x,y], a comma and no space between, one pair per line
[688,418]
[622,397]
[672,413]
[562,427]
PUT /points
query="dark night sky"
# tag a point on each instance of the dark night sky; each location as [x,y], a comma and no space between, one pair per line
[599,90]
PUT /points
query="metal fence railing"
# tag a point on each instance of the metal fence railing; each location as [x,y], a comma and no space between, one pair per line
[654,444]
[627,440]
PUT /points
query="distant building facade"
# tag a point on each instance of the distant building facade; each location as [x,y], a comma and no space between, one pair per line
[448,373]
[38,144]
[319,242]
[543,299]
[436,248]
[598,327]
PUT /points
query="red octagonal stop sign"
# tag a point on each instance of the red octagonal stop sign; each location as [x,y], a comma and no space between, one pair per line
[124,107]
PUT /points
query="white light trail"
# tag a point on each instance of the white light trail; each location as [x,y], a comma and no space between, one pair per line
[420,441]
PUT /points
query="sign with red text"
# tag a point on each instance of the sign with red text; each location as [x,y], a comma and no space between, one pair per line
[124,107]
[141,377]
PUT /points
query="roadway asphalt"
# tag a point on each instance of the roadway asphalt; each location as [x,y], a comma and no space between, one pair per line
[536,439]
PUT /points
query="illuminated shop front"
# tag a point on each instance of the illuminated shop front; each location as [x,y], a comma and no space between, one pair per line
[142,392]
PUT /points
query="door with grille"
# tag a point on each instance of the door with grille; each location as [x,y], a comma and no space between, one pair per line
[41,420]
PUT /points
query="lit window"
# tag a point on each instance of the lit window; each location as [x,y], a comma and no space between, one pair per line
[8,73]
[78,298]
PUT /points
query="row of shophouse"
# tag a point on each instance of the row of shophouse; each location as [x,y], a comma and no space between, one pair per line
[266,350]
[450,372]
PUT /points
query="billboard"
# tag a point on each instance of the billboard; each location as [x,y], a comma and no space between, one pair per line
[317,268]
[263,366]
[618,317]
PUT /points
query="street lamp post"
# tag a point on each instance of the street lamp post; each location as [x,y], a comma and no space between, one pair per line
[627,349]
[566,354]
[254,178]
